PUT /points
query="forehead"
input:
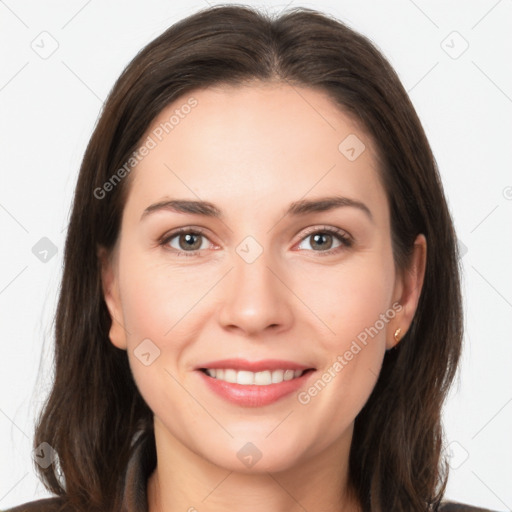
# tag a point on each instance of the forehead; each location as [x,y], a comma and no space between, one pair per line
[254,146]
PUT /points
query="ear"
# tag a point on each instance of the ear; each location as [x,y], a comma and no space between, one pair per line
[110,286]
[408,286]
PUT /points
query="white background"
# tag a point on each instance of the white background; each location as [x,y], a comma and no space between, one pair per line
[48,110]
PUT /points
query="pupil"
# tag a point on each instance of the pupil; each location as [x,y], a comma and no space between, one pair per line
[319,237]
[189,240]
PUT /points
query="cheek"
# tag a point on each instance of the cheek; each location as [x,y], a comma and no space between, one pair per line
[164,310]
[157,298]
[354,302]
[157,302]
[349,299]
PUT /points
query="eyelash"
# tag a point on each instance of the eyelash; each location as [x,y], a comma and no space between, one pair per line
[346,241]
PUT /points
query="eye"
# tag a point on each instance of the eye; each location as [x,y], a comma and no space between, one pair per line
[186,241]
[189,242]
[324,240]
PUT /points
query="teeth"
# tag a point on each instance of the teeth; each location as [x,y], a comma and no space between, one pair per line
[229,375]
[262,378]
[247,378]
[277,376]
[288,375]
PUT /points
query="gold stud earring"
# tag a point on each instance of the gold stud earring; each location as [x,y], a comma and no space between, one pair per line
[397,334]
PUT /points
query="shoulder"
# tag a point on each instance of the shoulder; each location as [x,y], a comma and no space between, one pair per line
[56,504]
[453,506]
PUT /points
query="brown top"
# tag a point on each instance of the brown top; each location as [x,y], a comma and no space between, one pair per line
[140,467]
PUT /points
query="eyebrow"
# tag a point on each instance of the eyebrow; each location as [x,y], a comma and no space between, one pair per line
[297,208]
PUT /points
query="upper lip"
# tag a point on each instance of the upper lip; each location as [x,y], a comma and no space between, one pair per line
[253,366]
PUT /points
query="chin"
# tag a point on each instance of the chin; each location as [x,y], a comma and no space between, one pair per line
[255,457]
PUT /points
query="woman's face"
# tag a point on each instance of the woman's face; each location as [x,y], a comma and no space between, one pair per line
[271,275]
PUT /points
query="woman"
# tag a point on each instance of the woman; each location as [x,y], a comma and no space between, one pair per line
[260,305]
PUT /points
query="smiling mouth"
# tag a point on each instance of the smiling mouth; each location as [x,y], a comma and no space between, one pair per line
[254,383]
[248,378]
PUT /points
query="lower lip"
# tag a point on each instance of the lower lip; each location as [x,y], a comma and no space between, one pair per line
[253,395]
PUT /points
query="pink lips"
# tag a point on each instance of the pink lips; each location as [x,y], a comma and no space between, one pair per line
[254,395]
[254,366]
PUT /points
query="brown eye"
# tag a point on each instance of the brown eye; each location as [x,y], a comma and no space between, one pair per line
[321,240]
[326,240]
[190,241]
[186,241]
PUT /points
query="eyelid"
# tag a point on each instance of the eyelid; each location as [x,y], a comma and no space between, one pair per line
[345,239]
[326,229]
[165,238]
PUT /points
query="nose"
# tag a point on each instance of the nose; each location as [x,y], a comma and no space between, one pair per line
[256,298]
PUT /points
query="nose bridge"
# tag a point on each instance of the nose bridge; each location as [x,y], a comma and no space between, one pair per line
[255,298]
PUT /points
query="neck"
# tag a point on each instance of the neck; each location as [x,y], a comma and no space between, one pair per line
[183,481]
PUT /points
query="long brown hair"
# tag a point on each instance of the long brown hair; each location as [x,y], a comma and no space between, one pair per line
[94,409]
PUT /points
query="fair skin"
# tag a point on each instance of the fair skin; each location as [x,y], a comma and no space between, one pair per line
[251,151]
